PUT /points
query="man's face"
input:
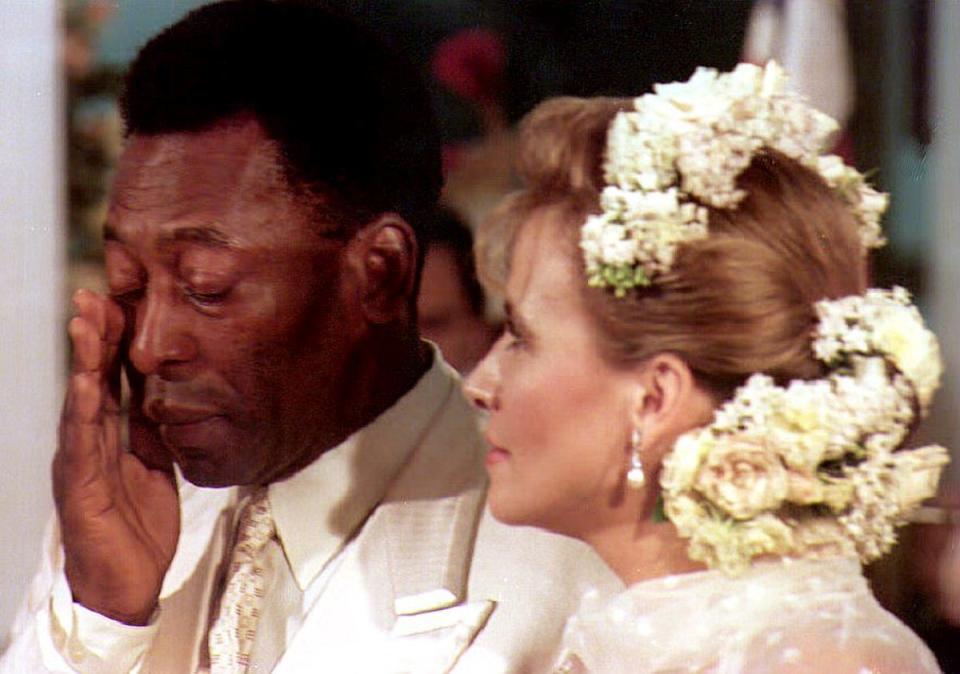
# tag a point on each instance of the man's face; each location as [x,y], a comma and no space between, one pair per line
[238,321]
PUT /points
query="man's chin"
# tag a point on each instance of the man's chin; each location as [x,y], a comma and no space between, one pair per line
[200,468]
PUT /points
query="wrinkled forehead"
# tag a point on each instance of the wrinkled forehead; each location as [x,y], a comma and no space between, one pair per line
[228,175]
[217,166]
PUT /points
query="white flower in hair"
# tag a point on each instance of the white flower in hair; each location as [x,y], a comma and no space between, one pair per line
[683,147]
[883,322]
[815,468]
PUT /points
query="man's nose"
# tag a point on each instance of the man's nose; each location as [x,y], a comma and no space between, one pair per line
[160,336]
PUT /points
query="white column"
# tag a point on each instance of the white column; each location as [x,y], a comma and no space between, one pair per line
[31,288]
[945,249]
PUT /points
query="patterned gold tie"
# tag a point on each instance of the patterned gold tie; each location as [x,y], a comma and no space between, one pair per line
[231,637]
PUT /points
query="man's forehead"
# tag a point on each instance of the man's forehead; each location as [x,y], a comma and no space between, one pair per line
[227,154]
[197,180]
[211,235]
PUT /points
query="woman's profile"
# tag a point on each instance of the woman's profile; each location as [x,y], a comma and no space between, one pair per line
[697,381]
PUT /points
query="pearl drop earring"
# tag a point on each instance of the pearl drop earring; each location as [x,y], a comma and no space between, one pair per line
[635,476]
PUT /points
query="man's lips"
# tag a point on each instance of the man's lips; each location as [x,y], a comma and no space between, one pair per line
[178,415]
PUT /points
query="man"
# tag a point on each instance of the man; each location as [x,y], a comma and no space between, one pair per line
[262,261]
[451,307]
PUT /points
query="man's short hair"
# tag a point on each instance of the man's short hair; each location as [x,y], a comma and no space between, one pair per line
[352,120]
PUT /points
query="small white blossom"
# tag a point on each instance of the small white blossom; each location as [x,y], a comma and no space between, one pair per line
[685,145]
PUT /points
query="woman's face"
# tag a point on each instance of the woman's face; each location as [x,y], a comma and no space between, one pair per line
[559,415]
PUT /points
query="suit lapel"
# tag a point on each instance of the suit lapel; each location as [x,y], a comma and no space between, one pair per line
[429,544]
[397,602]
[431,518]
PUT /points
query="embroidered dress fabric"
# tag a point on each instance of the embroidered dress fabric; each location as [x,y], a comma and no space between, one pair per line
[778,617]
[232,636]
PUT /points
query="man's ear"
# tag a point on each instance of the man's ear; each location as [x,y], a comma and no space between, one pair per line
[383,255]
[669,402]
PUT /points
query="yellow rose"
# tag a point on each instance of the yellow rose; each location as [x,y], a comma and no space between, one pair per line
[918,472]
[743,478]
[913,349]
[680,466]
[803,488]
[820,537]
[685,513]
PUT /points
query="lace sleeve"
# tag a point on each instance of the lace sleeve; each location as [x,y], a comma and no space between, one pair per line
[826,655]
[781,618]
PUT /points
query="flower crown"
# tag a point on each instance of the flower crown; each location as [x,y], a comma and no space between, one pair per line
[812,469]
[682,149]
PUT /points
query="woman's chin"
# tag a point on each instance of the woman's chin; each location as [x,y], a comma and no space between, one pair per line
[507,510]
[513,512]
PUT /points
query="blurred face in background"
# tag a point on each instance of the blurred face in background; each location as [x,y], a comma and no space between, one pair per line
[445,314]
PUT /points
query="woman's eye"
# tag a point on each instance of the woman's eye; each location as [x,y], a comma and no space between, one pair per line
[514,341]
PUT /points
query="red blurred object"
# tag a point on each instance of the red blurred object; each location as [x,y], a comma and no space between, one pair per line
[471,64]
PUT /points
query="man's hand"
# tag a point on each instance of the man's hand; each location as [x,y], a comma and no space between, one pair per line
[120,519]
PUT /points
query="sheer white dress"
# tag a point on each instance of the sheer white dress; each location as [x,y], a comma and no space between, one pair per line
[779,617]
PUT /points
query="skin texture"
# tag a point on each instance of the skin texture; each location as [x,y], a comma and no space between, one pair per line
[557,456]
[560,416]
[444,313]
[251,344]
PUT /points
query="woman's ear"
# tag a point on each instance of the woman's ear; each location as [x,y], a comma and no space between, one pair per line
[384,256]
[670,402]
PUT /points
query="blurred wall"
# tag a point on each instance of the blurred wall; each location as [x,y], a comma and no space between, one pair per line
[944,250]
[31,264]
[136,21]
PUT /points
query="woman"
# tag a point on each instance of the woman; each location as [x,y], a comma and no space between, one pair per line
[690,335]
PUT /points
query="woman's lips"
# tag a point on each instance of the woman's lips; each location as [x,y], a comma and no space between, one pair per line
[496,455]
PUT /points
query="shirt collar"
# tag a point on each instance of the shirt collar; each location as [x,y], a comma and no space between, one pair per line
[318,509]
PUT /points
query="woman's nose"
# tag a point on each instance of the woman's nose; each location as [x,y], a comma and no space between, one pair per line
[480,386]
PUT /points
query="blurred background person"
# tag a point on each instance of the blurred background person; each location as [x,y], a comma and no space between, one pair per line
[451,307]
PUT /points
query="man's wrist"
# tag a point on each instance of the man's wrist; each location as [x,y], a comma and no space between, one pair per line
[92,642]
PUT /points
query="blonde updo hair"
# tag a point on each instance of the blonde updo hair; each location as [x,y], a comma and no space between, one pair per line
[733,304]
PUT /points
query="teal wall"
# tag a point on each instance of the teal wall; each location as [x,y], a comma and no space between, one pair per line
[906,167]
[135,22]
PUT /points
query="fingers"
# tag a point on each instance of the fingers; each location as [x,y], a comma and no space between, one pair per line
[89,425]
[95,331]
[88,352]
[79,461]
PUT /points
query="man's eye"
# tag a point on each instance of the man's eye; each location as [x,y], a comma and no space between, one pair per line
[128,296]
[206,298]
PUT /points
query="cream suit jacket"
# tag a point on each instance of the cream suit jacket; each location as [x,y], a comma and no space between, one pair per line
[431,583]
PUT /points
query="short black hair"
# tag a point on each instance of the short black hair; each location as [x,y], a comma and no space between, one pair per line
[352,120]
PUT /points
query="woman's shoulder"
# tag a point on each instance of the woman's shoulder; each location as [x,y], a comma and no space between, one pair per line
[872,643]
[789,616]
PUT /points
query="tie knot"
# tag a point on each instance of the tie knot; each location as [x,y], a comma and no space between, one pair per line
[255,526]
